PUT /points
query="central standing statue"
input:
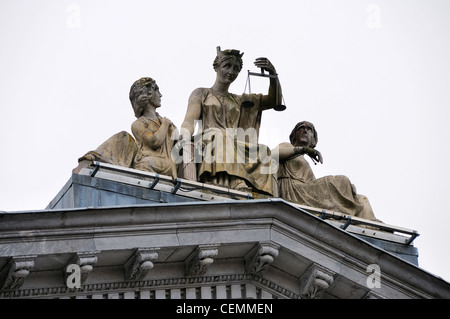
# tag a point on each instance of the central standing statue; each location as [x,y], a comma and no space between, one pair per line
[228,132]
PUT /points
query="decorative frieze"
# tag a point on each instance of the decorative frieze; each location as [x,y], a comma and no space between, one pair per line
[13,274]
[259,259]
[315,281]
[138,265]
[221,286]
[201,258]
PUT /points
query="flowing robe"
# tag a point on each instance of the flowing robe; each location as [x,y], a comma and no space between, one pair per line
[154,159]
[297,183]
[229,138]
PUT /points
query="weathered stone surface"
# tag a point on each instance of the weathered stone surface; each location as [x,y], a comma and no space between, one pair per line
[229,131]
[154,136]
[297,183]
[261,248]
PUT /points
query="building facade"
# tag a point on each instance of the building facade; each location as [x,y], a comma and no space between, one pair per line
[117,233]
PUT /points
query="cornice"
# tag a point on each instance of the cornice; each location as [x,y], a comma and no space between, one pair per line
[187,223]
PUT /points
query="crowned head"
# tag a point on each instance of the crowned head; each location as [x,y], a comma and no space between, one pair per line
[226,55]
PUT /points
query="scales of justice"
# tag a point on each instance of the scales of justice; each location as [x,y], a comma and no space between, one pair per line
[246,100]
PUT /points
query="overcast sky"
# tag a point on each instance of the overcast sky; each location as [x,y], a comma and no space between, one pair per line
[373,76]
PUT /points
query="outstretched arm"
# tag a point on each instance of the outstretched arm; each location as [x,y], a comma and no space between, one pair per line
[286,151]
[270,100]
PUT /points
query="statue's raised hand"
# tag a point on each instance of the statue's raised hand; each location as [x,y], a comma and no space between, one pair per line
[265,64]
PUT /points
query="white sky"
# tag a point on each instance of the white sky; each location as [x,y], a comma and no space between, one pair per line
[373,76]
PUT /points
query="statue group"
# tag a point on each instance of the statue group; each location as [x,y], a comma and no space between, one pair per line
[225,150]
